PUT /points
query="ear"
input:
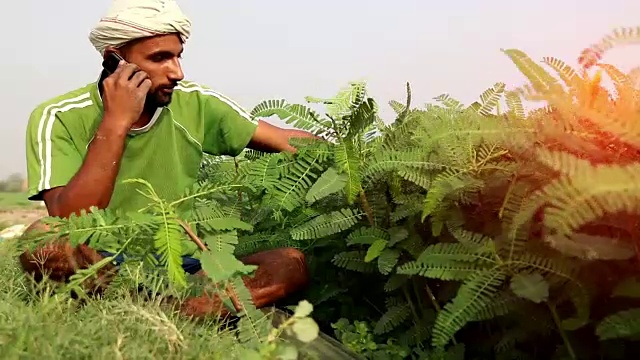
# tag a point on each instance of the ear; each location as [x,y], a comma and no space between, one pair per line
[110,49]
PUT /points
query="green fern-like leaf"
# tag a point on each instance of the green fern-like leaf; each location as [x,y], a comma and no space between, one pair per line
[514,104]
[392,318]
[348,162]
[619,36]
[300,116]
[540,79]
[291,189]
[447,270]
[328,183]
[473,295]
[490,99]
[503,304]
[395,281]
[449,102]
[168,244]
[366,236]
[354,261]
[326,224]
[387,260]
[343,103]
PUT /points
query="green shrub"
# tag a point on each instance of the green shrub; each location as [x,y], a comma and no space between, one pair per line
[453,232]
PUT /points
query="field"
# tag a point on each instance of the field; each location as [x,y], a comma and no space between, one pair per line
[14,200]
[457,231]
[123,325]
[16,209]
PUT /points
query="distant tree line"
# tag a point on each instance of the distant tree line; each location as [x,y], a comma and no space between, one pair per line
[12,183]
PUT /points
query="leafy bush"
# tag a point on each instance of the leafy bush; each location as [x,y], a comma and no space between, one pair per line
[453,232]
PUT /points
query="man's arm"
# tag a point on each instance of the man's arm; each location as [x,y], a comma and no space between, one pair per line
[76,186]
[59,176]
[229,129]
[271,138]
[93,183]
[66,182]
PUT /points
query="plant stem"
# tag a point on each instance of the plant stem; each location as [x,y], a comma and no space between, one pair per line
[432,298]
[416,292]
[237,168]
[411,305]
[565,339]
[193,235]
[508,195]
[366,207]
[202,193]
[229,290]
[437,307]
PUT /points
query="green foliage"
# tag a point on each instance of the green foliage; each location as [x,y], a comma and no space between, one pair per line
[164,230]
[480,231]
[38,321]
[463,216]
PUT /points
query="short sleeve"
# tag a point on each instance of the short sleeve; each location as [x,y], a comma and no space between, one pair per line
[228,128]
[52,158]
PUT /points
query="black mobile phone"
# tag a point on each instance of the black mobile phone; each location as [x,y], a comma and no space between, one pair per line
[110,64]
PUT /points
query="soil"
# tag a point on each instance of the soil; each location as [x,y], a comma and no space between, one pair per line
[21,216]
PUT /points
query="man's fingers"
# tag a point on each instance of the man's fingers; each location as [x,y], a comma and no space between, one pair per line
[121,64]
[139,77]
[146,85]
[127,72]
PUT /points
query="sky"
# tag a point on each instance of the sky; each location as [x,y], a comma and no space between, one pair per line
[252,50]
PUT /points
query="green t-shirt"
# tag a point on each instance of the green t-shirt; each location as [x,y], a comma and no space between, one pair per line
[167,152]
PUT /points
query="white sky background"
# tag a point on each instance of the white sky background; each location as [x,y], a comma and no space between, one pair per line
[252,50]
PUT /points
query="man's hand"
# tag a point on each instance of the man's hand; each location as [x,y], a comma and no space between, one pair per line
[270,138]
[281,272]
[58,260]
[124,94]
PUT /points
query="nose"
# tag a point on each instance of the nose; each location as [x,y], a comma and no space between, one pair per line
[175,71]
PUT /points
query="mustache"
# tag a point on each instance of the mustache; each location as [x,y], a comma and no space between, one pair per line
[168,87]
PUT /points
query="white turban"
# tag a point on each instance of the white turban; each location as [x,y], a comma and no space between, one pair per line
[128,20]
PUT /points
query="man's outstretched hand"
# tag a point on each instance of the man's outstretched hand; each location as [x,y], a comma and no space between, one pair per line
[272,139]
[58,260]
[280,273]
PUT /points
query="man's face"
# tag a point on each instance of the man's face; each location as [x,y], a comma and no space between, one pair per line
[159,57]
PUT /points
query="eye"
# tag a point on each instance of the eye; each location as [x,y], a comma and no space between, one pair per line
[158,58]
[161,57]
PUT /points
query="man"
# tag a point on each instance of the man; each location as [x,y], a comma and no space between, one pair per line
[143,121]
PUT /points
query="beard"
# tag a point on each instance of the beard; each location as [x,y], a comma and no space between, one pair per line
[157,99]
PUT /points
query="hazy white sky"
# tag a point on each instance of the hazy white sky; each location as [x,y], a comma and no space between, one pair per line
[257,49]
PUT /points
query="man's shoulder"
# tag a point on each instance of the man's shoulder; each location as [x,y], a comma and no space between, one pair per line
[191,90]
[73,100]
[187,92]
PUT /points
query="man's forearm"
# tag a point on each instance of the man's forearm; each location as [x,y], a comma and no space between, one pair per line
[270,138]
[94,182]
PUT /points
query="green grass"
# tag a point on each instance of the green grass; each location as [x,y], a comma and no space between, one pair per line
[35,323]
[15,200]
[119,326]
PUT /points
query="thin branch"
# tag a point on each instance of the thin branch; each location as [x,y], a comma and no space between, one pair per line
[193,235]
